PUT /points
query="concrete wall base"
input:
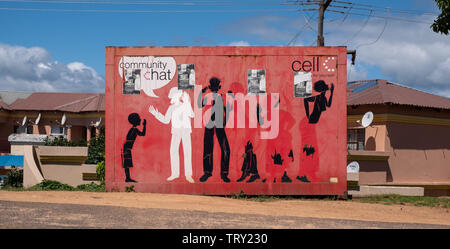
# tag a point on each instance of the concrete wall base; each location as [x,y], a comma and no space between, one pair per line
[365,191]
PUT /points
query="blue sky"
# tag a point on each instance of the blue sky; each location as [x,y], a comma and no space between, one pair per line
[48,46]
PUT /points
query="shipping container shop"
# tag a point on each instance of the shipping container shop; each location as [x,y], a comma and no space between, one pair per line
[226,120]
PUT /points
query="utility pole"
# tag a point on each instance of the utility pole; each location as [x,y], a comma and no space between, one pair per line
[322,7]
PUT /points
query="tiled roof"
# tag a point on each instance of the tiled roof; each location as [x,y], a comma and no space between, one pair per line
[358,93]
[382,92]
[67,102]
[3,105]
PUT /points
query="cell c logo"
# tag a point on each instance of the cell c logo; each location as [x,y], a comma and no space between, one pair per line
[330,64]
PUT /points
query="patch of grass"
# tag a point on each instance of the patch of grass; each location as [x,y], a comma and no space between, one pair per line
[257,198]
[129,188]
[420,201]
[50,185]
[9,188]
[271,198]
[91,187]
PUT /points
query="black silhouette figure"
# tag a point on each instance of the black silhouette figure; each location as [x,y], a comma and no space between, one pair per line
[320,101]
[216,125]
[127,159]
[249,167]
[274,172]
[309,150]
[303,178]
[277,158]
[291,155]
[285,178]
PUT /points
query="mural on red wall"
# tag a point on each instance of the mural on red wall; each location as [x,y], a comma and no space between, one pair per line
[226,122]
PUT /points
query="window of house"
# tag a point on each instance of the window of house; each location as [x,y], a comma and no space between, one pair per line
[355,139]
[58,131]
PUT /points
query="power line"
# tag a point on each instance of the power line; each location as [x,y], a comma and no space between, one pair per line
[384,17]
[145,11]
[182,3]
[388,9]
[345,17]
[300,31]
[362,27]
[378,38]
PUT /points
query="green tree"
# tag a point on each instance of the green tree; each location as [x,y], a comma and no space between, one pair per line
[96,150]
[442,22]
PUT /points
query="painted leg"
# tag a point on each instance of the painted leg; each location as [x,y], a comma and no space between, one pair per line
[187,153]
[208,148]
[225,154]
[174,157]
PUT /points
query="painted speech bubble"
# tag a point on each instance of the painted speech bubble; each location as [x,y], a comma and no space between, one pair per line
[154,72]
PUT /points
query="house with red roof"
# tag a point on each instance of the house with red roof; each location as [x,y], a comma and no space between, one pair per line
[408,141]
[74,116]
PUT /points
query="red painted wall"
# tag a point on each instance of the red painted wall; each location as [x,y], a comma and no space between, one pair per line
[308,171]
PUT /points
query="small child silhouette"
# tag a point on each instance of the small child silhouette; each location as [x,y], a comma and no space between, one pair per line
[127,160]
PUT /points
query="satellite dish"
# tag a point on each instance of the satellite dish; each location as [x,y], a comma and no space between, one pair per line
[63,119]
[24,121]
[98,122]
[37,119]
[366,119]
[353,167]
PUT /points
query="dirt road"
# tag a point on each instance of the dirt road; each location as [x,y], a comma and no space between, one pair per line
[144,210]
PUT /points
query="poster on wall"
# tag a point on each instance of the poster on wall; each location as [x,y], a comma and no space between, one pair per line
[256,81]
[237,125]
[302,84]
[186,76]
[132,81]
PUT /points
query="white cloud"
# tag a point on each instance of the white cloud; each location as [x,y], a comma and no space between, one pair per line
[355,72]
[31,69]
[263,27]
[408,53]
[239,43]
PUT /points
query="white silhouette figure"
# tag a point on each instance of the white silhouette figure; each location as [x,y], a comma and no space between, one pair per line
[179,113]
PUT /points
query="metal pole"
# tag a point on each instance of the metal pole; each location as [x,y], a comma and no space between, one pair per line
[320,39]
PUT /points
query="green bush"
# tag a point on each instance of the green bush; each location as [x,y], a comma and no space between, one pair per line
[14,178]
[100,170]
[96,146]
[91,187]
[52,185]
[96,151]
[61,141]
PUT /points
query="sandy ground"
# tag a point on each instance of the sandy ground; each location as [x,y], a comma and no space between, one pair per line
[350,210]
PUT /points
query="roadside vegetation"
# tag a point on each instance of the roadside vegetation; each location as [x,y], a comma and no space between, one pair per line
[14,182]
[96,146]
[271,198]
[96,155]
[420,201]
